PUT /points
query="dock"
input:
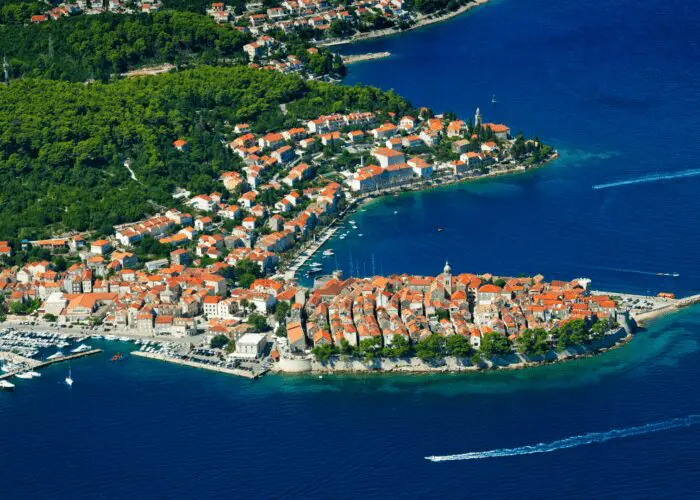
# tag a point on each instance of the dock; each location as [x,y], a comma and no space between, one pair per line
[195,364]
[33,364]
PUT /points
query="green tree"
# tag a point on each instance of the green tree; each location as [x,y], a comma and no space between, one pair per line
[430,348]
[459,346]
[495,344]
[219,341]
[281,311]
[399,347]
[370,348]
[323,352]
[258,322]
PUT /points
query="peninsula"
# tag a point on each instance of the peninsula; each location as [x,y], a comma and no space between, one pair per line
[176,202]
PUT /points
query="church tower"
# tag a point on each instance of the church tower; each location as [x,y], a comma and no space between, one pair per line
[446,278]
[477,118]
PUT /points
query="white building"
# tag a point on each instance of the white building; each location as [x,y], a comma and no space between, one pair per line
[250,345]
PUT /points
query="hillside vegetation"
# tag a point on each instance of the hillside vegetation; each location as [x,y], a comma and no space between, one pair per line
[63,144]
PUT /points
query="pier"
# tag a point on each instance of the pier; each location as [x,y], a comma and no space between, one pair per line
[195,364]
[365,57]
[33,364]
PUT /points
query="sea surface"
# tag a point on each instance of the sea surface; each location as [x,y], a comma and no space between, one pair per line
[613,86]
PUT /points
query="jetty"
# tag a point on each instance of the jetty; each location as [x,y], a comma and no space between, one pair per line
[33,364]
[370,56]
[196,364]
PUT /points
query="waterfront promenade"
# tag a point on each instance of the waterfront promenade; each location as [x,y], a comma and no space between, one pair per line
[194,364]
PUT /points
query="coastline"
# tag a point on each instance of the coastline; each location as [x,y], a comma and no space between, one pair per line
[327,232]
[451,365]
[422,22]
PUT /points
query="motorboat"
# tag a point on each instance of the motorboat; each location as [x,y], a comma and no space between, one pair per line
[6,386]
[81,348]
[328,253]
[23,375]
[57,355]
[69,378]
[34,374]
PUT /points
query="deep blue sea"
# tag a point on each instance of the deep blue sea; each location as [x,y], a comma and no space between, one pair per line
[613,86]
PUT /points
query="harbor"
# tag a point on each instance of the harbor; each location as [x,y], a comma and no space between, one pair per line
[23,364]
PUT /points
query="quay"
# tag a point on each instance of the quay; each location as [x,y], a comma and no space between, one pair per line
[33,364]
[195,364]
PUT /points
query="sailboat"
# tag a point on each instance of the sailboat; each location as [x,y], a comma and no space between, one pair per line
[69,378]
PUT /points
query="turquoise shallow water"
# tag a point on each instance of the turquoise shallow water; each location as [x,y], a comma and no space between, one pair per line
[613,87]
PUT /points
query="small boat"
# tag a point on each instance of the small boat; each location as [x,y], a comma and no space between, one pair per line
[117,357]
[111,337]
[124,339]
[440,229]
[81,348]
[6,386]
[316,264]
[34,374]
[24,375]
[328,253]
[360,234]
[396,212]
[57,355]
[69,378]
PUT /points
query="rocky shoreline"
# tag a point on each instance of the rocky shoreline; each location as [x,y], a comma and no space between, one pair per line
[415,366]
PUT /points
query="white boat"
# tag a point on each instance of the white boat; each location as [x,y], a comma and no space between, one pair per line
[111,337]
[6,386]
[328,252]
[34,374]
[360,234]
[81,348]
[396,212]
[69,378]
[57,355]
[124,339]
[24,375]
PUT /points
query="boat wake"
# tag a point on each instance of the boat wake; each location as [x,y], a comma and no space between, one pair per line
[650,178]
[575,441]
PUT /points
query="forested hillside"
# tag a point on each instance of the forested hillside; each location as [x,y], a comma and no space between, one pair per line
[95,47]
[62,144]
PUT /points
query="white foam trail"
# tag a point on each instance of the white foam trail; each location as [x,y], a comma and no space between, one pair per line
[572,442]
[650,178]
[623,270]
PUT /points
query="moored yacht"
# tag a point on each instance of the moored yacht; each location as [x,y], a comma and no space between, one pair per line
[6,386]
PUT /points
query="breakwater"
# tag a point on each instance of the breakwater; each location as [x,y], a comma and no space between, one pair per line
[365,57]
